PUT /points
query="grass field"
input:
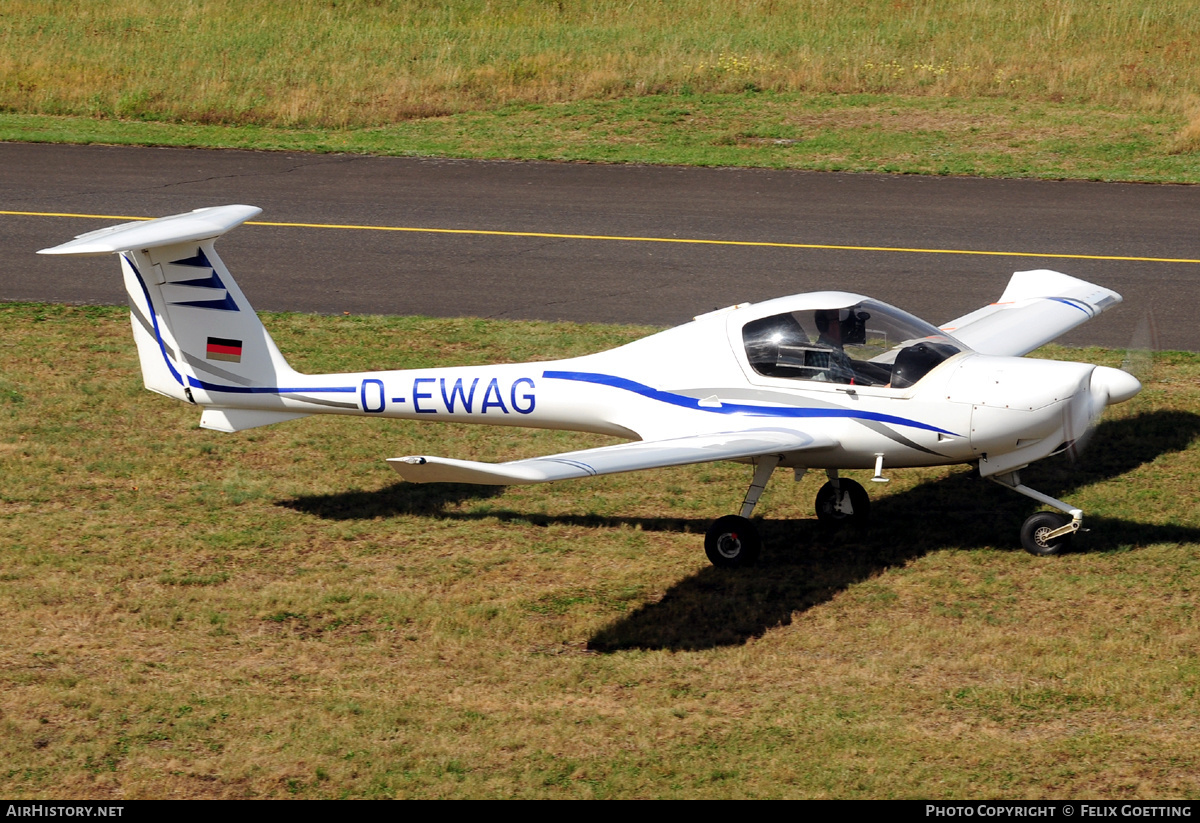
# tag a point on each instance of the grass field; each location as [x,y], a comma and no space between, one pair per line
[313,62]
[1064,88]
[269,614]
[849,133]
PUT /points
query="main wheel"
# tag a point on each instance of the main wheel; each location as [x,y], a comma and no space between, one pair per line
[732,542]
[854,508]
[1033,534]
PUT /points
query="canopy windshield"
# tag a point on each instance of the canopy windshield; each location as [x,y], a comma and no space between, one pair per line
[866,344]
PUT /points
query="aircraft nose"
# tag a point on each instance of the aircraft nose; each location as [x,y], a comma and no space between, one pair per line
[1111,386]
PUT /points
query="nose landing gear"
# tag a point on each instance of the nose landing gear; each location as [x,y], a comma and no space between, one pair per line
[1047,533]
[1044,533]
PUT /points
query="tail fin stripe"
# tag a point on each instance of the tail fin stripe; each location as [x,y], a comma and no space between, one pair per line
[225,304]
[145,324]
[197,363]
[208,292]
[154,318]
[200,261]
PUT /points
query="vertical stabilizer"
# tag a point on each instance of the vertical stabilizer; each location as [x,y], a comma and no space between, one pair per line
[194,328]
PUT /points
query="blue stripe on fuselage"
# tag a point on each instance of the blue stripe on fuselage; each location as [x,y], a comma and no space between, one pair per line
[201,384]
[733,408]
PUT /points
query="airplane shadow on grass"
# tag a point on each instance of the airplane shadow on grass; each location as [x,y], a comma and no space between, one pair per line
[397,499]
[805,564]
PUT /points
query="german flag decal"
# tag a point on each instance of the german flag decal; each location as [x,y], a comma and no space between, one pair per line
[220,348]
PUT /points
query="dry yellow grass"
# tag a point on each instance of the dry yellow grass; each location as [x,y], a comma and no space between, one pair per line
[1188,140]
[360,63]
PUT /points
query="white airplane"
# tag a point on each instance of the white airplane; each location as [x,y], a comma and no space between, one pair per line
[827,380]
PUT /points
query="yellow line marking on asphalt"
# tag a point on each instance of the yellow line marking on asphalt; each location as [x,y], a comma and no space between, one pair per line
[683,240]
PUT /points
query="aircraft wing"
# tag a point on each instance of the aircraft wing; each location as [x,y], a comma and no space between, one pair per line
[623,457]
[1037,307]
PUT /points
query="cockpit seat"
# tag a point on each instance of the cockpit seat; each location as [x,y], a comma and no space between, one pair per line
[915,361]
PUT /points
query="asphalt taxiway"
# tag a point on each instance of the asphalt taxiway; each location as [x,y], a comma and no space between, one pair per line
[605,243]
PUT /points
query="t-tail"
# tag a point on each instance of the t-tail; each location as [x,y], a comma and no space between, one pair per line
[197,335]
[200,341]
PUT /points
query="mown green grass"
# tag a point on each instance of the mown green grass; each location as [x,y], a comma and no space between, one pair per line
[1008,88]
[270,614]
[851,133]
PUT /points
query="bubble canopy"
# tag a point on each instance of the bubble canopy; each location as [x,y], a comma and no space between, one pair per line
[844,338]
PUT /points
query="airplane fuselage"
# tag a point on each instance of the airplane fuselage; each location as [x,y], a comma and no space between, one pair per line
[968,408]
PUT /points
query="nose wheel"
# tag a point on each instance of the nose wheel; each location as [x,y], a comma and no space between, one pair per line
[1046,534]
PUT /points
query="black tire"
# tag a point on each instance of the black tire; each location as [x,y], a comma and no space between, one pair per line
[1033,534]
[827,500]
[732,542]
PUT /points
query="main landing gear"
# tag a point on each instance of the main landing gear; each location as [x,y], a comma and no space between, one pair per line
[1044,533]
[841,500]
[733,542]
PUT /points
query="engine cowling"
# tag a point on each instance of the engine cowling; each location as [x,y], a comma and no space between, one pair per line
[1023,410]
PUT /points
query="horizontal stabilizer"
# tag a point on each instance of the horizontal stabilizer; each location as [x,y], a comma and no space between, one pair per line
[623,457]
[1037,307]
[194,226]
[236,420]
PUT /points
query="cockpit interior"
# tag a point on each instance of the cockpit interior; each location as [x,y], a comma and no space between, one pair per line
[864,344]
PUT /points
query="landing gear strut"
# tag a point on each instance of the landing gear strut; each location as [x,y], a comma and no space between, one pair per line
[732,541]
[1044,533]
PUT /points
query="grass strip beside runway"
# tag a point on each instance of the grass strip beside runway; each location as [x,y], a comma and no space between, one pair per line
[270,614]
